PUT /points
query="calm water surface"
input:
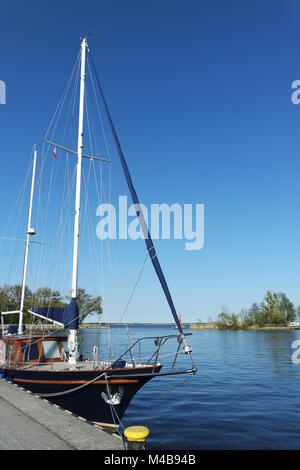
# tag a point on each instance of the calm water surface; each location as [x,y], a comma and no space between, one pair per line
[246,394]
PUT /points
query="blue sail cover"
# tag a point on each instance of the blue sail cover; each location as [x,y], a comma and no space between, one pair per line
[68,316]
[139,212]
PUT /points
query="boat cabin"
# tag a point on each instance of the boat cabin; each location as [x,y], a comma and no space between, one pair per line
[34,350]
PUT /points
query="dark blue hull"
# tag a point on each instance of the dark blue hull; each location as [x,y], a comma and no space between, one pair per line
[76,394]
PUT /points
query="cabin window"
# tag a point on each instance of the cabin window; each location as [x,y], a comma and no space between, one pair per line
[64,345]
[30,351]
[51,350]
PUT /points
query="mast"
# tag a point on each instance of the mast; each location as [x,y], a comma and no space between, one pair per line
[72,339]
[30,232]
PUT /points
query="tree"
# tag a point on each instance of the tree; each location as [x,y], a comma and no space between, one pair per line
[10,297]
[44,297]
[270,309]
[228,321]
[88,304]
[254,316]
[243,315]
[286,308]
[275,309]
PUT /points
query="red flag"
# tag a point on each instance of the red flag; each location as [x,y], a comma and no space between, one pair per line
[54,152]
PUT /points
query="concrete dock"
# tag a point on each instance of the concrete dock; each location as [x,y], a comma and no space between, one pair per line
[28,422]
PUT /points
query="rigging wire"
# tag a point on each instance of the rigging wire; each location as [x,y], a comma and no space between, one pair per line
[54,122]
[139,212]
[14,267]
[74,77]
[109,245]
[63,96]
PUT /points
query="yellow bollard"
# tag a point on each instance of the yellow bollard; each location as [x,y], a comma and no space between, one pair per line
[136,437]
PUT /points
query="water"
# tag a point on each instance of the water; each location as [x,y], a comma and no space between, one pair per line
[246,394]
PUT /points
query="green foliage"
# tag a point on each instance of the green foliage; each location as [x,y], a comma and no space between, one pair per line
[10,300]
[44,297]
[228,321]
[286,308]
[88,304]
[275,310]
[270,309]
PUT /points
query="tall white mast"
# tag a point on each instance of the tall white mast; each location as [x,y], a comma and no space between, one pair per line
[72,340]
[29,234]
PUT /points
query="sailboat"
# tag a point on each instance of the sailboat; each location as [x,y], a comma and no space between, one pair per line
[50,364]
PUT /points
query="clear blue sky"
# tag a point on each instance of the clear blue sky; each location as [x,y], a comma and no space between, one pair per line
[200,93]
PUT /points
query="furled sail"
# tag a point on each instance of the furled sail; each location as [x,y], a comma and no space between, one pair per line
[68,317]
[139,212]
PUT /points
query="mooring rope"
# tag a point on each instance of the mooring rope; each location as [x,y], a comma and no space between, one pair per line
[66,392]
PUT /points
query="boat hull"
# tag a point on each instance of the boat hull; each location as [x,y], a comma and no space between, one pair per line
[76,394]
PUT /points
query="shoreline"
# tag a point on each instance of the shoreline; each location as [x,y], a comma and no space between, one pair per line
[248,328]
[191,326]
[187,326]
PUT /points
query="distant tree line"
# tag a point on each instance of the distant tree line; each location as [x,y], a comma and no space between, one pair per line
[275,310]
[10,296]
